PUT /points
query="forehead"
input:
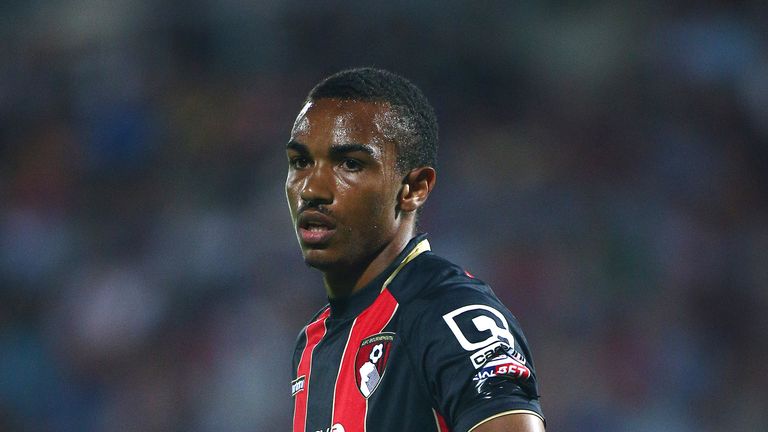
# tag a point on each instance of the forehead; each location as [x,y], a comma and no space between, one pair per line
[336,121]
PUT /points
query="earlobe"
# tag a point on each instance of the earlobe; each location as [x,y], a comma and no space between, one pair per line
[416,188]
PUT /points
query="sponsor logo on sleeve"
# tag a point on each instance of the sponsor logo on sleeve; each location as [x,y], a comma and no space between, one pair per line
[484,331]
[371,360]
[502,366]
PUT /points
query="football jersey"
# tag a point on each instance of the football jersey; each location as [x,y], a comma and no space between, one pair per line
[423,347]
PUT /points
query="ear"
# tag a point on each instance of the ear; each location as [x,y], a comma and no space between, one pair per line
[417,185]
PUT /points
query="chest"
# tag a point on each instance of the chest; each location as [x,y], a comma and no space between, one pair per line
[362,378]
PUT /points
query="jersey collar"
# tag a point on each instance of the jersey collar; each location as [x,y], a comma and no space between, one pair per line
[352,305]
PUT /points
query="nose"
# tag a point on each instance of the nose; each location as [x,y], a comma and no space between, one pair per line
[317,187]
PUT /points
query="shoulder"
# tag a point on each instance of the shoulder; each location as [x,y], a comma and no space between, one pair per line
[445,308]
[438,299]
[470,349]
[435,283]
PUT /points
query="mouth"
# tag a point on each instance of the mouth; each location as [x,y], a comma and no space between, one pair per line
[314,228]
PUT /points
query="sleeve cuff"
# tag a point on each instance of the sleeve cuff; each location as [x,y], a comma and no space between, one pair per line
[490,409]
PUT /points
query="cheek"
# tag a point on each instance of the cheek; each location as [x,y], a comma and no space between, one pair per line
[376,209]
[291,194]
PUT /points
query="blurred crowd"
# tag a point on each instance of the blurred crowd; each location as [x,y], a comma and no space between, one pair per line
[603,165]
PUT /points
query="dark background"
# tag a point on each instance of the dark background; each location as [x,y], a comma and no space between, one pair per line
[603,166]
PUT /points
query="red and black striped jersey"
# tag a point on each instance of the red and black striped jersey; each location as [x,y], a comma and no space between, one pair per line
[423,347]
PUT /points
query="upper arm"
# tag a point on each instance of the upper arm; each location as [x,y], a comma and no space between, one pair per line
[475,358]
[512,422]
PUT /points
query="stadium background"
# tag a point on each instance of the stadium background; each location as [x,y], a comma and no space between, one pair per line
[603,166]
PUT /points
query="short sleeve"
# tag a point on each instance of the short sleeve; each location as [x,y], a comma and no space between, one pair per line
[474,357]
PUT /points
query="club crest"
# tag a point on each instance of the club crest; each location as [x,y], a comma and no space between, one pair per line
[370,361]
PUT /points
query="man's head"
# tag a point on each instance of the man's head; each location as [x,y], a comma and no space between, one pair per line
[361,158]
[414,128]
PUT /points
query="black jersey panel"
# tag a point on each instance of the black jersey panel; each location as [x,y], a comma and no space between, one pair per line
[468,346]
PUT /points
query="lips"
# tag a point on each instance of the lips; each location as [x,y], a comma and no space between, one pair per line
[315,228]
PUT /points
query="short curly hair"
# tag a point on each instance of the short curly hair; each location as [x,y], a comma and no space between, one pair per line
[417,141]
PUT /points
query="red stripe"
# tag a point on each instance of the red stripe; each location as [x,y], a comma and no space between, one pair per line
[442,426]
[315,332]
[349,405]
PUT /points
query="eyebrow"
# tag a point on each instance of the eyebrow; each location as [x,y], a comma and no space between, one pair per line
[335,150]
[297,146]
[339,149]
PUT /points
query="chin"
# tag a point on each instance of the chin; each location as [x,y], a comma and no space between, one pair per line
[319,259]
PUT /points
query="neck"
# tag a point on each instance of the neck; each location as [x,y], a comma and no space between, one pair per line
[347,281]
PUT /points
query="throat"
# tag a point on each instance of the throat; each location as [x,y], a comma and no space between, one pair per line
[343,284]
[349,280]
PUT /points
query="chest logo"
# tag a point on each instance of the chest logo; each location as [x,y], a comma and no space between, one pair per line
[297,385]
[371,360]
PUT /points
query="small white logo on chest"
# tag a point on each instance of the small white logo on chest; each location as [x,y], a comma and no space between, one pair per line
[297,385]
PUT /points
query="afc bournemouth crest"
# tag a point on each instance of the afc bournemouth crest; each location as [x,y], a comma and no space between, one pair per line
[370,361]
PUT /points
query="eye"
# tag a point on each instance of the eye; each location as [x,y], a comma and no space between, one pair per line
[299,162]
[351,164]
